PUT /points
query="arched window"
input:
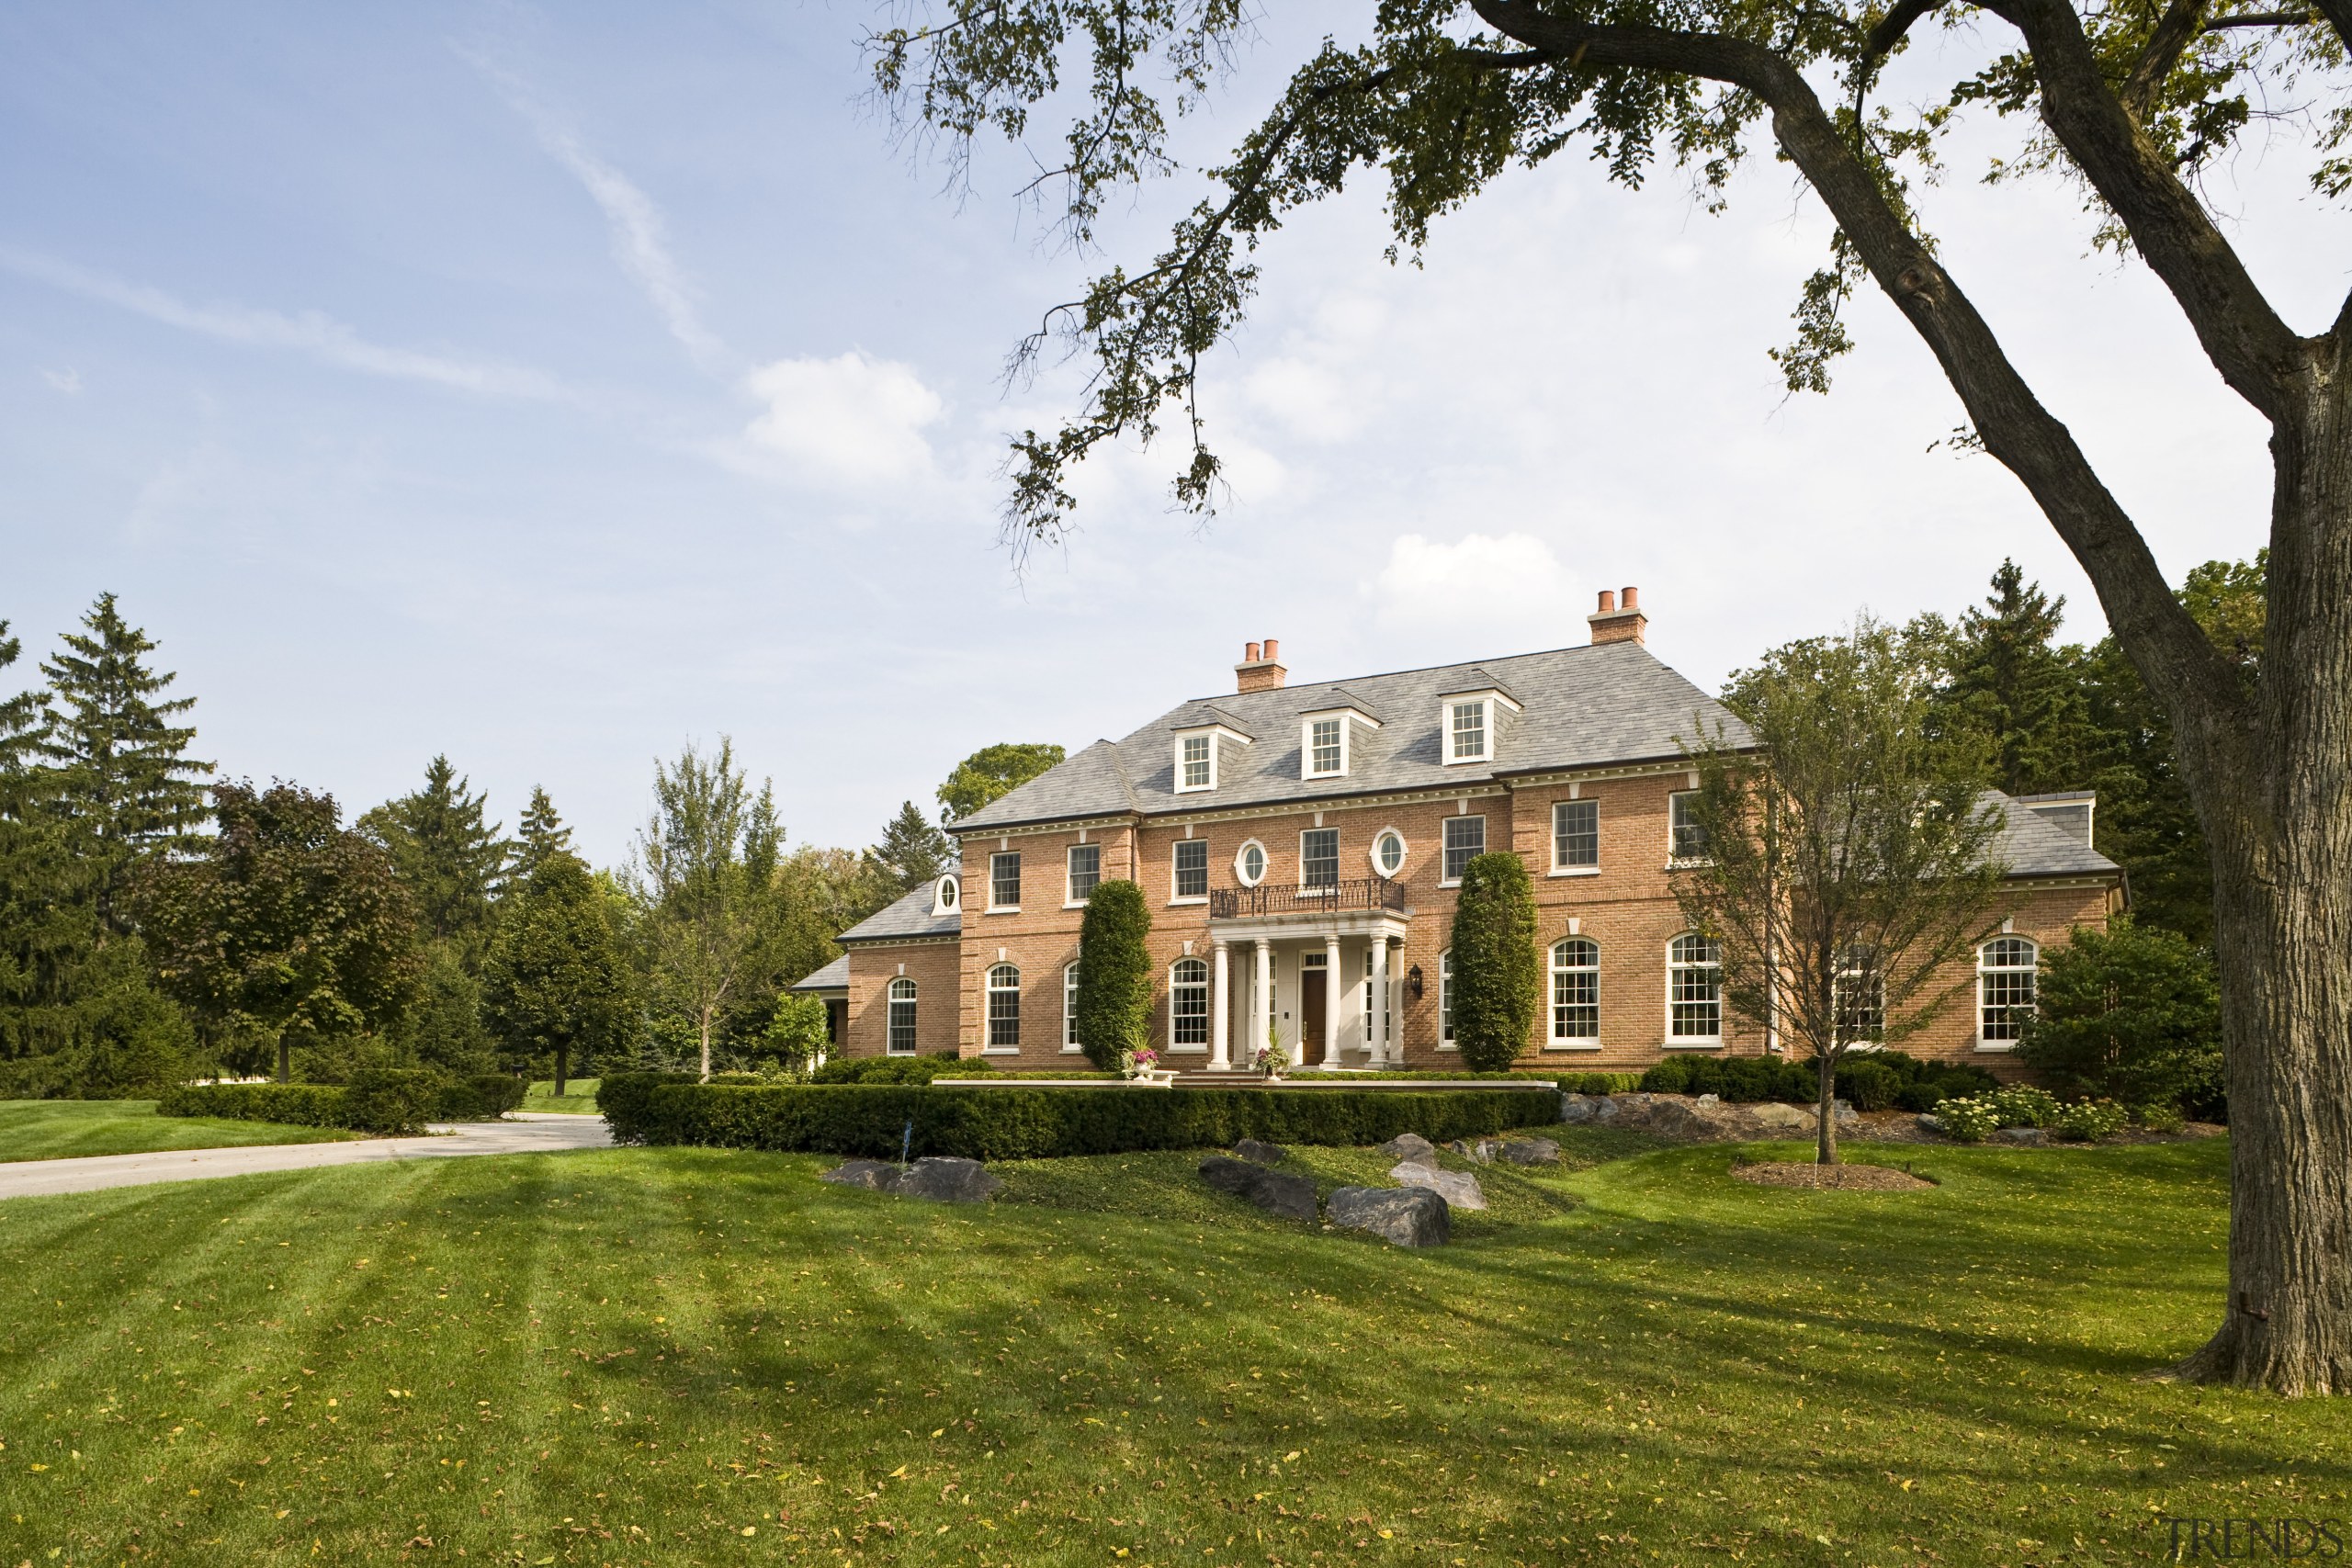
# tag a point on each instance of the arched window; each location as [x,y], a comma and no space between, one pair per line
[1004,1008]
[1188,1004]
[1446,999]
[1069,1007]
[1859,993]
[901,1042]
[1576,990]
[1694,989]
[2004,988]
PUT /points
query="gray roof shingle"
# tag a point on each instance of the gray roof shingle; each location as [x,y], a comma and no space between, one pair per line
[833,977]
[909,916]
[1582,707]
[2033,847]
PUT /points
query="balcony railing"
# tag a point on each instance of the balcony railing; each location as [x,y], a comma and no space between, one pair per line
[1370,893]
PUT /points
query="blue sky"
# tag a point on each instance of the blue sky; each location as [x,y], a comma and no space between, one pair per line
[548,387]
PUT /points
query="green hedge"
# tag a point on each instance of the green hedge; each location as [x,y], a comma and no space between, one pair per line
[902,1069]
[1875,1081]
[1041,1123]
[380,1100]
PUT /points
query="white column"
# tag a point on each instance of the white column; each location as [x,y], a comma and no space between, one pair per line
[1333,992]
[1220,1001]
[1377,1025]
[1261,1002]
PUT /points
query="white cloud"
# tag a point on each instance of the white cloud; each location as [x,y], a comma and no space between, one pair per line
[309,332]
[67,381]
[853,421]
[1480,579]
[639,237]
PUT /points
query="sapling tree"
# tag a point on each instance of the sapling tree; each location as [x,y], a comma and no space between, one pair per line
[2134,104]
[1842,854]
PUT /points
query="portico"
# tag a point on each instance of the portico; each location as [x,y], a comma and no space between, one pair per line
[1309,969]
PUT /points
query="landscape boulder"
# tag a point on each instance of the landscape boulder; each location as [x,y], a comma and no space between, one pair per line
[874,1174]
[1411,1146]
[1528,1151]
[1458,1187]
[1257,1153]
[941,1178]
[1577,1109]
[1277,1192]
[1408,1216]
[1702,1119]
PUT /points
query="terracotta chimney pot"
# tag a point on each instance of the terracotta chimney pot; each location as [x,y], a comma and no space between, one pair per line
[1619,619]
[1607,602]
[1250,654]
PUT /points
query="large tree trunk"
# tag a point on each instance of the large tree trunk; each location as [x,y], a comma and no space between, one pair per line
[2280,823]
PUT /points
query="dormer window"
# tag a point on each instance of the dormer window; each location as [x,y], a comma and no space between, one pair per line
[945,894]
[1467,724]
[1199,759]
[1326,739]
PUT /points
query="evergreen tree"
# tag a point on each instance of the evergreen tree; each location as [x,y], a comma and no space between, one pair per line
[558,981]
[912,852]
[1113,1004]
[121,781]
[1498,982]
[993,771]
[2023,696]
[544,834]
[444,1027]
[451,858]
[288,925]
[2133,1013]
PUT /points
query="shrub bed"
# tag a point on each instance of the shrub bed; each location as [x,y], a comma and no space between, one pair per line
[903,1069]
[1042,1123]
[1881,1080]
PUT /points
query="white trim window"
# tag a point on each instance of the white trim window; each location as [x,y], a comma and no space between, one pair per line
[1694,991]
[1249,862]
[1188,1005]
[1004,1008]
[1085,874]
[900,1019]
[1191,870]
[1575,835]
[1325,746]
[1388,852]
[1195,763]
[2005,990]
[1069,1009]
[944,895]
[1318,859]
[1576,993]
[1387,1026]
[1858,998]
[1465,841]
[1467,733]
[1686,838]
[1445,1000]
[1004,880]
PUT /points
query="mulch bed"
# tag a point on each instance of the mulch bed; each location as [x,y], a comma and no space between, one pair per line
[1844,1177]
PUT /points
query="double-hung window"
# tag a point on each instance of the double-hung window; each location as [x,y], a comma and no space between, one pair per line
[1445,1000]
[1004,1008]
[1004,880]
[1069,1008]
[1188,1005]
[1192,868]
[1859,993]
[1576,834]
[1466,738]
[1694,989]
[1325,753]
[1085,871]
[1576,992]
[2003,990]
[1686,836]
[1466,839]
[1318,858]
[1198,762]
[901,1042]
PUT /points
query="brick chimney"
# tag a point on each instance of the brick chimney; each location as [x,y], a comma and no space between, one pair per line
[1616,622]
[1260,670]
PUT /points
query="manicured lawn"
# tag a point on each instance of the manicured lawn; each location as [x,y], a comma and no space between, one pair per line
[64,1129]
[708,1357]
[579,1095]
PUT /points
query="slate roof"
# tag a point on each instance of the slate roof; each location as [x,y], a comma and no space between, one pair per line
[833,977]
[1582,707]
[2034,847]
[909,916]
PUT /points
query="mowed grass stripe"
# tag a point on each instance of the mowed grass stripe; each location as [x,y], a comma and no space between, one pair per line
[1683,1365]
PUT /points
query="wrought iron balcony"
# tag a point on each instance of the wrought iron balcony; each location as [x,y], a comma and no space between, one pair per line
[1369,892]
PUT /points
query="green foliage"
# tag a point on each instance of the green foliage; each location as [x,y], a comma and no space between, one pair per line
[797,1031]
[912,851]
[301,1105]
[2018,699]
[2159,1118]
[558,981]
[376,1099]
[287,923]
[1969,1119]
[1873,1082]
[2088,1120]
[2135,1014]
[444,1028]
[1600,1083]
[1498,978]
[543,834]
[1113,1011]
[901,1069]
[2025,1105]
[1868,1085]
[393,1100]
[993,771]
[447,854]
[1042,1123]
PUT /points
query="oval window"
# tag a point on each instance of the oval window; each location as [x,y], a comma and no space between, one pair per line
[946,892]
[1388,853]
[1249,865]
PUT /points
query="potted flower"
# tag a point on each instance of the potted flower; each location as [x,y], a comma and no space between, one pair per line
[1143,1067]
[1272,1060]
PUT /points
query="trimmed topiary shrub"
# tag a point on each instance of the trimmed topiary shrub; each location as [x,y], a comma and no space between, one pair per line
[392,1100]
[899,1069]
[1599,1083]
[295,1104]
[1112,1012]
[1497,979]
[478,1097]
[872,1120]
[1868,1085]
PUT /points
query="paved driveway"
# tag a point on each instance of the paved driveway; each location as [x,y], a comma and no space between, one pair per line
[523,1132]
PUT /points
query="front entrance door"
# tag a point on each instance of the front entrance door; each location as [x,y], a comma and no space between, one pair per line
[1311,988]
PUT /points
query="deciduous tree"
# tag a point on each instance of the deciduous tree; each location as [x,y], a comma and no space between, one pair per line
[557,981]
[992,772]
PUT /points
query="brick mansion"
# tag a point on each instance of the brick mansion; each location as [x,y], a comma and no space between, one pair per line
[1301,845]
